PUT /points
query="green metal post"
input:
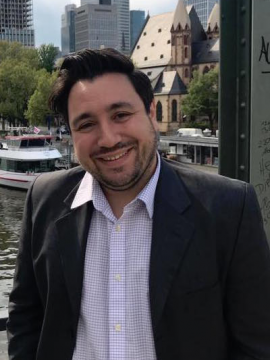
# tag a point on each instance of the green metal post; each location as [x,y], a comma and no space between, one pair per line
[235,77]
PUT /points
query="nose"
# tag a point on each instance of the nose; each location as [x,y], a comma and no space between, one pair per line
[108,134]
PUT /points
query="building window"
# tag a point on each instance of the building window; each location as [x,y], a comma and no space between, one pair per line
[161,56]
[186,53]
[144,34]
[159,30]
[159,111]
[174,111]
[146,58]
[169,41]
[186,73]
[205,70]
[138,46]
[153,44]
[185,39]
[149,73]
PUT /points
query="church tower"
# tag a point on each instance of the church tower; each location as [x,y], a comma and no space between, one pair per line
[181,43]
[213,25]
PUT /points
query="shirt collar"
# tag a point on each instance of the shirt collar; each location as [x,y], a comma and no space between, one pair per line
[89,186]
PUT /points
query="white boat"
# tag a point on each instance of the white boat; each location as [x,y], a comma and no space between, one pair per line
[24,157]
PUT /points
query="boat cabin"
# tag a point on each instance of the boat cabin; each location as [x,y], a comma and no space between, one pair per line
[28,154]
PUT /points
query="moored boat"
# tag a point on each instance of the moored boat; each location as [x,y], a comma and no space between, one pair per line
[24,157]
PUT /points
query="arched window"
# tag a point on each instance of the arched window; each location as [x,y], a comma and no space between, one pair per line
[206,70]
[174,111]
[186,73]
[186,52]
[185,39]
[159,111]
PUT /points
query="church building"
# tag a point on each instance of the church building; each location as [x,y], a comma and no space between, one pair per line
[171,46]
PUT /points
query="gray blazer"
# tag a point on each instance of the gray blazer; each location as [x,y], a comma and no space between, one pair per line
[209,279]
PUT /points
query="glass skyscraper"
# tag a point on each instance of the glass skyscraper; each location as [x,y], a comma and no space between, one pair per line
[123,21]
[68,30]
[16,21]
[137,19]
[203,9]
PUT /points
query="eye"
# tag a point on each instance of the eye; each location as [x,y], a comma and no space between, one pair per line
[122,116]
[85,126]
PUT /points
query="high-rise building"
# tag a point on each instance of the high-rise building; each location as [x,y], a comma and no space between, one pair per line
[16,22]
[68,30]
[96,26]
[123,21]
[203,9]
[137,19]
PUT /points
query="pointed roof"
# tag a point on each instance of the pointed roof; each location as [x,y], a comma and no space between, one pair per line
[181,16]
[153,48]
[170,83]
[213,19]
[197,30]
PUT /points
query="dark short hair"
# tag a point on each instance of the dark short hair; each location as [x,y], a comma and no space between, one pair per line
[88,64]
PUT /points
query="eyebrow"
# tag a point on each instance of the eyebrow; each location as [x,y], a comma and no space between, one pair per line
[114,106]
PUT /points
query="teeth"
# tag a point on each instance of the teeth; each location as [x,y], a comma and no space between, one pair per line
[112,158]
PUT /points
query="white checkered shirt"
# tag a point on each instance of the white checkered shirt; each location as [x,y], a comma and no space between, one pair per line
[115,321]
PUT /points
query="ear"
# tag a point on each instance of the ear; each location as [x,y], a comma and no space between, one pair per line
[152,115]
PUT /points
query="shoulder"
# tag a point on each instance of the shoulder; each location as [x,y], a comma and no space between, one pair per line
[213,191]
[57,184]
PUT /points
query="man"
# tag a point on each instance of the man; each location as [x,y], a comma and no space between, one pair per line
[128,257]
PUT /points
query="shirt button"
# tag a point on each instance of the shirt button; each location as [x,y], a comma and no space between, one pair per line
[118,228]
[118,277]
[117,327]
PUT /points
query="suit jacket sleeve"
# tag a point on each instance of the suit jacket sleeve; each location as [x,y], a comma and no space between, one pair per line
[25,308]
[247,302]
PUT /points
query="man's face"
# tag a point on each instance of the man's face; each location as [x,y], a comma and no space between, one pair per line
[114,138]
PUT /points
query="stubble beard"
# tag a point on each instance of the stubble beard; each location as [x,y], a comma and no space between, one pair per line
[142,170]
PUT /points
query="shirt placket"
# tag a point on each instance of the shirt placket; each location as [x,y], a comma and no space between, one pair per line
[117,292]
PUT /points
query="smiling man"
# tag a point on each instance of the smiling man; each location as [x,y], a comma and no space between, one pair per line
[127,257]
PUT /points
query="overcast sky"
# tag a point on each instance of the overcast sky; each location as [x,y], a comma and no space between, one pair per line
[47,16]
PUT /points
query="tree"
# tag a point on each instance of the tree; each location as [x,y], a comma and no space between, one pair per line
[38,104]
[16,51]
[47,56]
[17,84]
[202,98]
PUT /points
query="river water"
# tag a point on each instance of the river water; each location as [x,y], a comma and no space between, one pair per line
[11,211]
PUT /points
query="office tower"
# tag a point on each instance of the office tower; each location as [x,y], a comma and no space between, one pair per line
[96,26]
[68,30]
[16,22]
[203,9]
[123,21]
[137,19]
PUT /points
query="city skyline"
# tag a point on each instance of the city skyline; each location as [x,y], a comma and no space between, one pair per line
[47,16]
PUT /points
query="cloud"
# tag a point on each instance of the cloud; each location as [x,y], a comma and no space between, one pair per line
[47,16]
[154,7]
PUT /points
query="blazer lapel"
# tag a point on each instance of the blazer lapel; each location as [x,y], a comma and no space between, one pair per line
[171,235]
[72,231]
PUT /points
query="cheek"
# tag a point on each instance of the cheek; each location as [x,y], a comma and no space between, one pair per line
[82,144]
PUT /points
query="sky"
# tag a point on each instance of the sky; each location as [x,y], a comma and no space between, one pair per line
[47,16]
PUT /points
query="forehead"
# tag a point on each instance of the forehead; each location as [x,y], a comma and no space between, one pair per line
[110,87]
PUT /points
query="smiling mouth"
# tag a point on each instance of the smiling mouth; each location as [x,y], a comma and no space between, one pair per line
[116,157]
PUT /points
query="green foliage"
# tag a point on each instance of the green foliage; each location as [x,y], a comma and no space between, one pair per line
[38,103]
[47,56]
[17,83]
[202,98]
[196,124]
[17,52]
